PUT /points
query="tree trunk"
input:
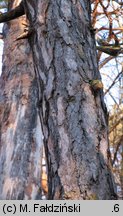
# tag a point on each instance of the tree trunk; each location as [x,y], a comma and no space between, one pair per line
[20,129]
[72,113]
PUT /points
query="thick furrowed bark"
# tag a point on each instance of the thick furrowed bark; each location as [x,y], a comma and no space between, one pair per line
[20,129]
[73,116]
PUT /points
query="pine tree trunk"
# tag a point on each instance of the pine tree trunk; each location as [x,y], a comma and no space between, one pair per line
[20,129]
[73,115]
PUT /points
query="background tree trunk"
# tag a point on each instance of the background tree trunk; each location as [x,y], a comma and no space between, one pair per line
[73,115]
[20,130]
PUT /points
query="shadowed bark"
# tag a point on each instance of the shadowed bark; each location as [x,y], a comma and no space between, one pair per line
[20,129]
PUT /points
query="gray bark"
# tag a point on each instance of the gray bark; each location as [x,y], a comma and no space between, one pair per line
[73,116]
[20,129]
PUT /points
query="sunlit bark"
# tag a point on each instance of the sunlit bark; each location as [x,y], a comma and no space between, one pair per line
[73,115]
